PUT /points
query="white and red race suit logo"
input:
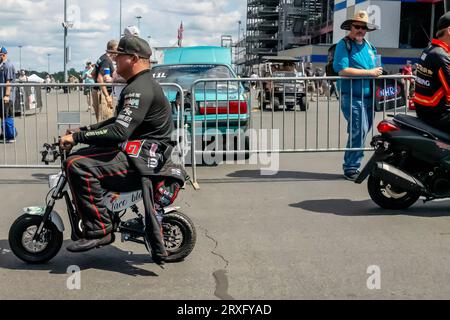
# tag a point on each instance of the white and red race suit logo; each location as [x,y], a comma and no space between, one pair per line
[133,148]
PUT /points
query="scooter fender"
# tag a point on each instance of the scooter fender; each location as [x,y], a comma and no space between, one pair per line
[39,211]
[170,209]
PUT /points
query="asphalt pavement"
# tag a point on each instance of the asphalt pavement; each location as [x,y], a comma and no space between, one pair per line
[301,233]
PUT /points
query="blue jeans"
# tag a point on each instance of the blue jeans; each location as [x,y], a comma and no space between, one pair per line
[8,128]
[7,113]
[358,126]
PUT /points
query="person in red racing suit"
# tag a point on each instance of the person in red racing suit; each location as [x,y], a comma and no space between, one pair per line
[143,119]
[432,92]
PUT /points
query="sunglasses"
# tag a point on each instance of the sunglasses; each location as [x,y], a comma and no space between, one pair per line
[358,27]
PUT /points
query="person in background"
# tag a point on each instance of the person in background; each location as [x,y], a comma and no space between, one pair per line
[88,79]
[407,70]
[47,80]
[319,83]
[7,94]
[311,87]
[253,76]
[102,99]
[131,31]
[359,61]
[23,76]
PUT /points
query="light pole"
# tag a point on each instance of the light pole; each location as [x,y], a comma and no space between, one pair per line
[120,20]
[139,22]
[20,57]
[48,57]
[66,25]
[237,45]
[239,30]
[65,41]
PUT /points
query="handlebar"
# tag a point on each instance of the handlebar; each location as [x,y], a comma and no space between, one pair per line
[52,151]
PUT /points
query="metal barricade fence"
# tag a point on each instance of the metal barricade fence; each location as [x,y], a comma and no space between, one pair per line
[41,112]
[228,115]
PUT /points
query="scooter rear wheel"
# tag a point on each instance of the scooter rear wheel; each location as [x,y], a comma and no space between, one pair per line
[389,197]
[20,240]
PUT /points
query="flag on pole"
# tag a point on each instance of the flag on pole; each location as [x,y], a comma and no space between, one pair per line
[180,35]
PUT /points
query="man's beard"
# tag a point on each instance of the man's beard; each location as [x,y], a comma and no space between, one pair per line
[359,37]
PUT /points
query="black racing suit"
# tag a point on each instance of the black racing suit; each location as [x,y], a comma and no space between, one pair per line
[432,91]
[143,114]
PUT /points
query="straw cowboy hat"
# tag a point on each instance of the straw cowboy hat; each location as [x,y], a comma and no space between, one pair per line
[360,16]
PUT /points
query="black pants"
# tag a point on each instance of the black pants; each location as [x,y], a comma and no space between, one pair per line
[6,110]
[91,172]
[441,122]
[333,89]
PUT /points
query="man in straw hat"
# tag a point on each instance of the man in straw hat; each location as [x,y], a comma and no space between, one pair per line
[432,86]
[355,57]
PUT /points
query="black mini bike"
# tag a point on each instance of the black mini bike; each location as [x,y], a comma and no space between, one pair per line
[37,235]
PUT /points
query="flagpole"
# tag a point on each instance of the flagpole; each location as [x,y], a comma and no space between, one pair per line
[180,35]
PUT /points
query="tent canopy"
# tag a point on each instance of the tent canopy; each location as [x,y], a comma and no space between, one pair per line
[35,78]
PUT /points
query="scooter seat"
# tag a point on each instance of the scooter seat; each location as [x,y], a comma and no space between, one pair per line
[417,124]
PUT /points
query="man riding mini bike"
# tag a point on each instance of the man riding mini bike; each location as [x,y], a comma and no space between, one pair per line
[127,152]
[37,235]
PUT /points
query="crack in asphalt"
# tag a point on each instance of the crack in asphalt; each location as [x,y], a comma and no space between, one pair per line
[220,276]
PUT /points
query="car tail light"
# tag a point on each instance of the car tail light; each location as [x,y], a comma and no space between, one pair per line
[233,107]
[386,126]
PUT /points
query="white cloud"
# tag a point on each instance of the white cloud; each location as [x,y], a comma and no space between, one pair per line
[138,9]
[6,32]
[36,25]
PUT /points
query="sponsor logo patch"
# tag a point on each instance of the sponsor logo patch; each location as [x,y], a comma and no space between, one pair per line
[125,118]
[131,103]
[152,162]
[132,148]
[123,123]
[423,82]
[127,111]
[133,95]
[97,133]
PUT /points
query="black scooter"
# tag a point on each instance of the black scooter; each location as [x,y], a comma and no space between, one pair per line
[411,160]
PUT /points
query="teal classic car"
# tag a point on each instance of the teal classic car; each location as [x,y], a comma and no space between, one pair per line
[219,107]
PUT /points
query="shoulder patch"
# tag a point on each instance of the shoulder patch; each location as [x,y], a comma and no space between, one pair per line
[133,95]
[131,103]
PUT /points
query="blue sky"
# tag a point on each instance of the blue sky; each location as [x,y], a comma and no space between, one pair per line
[36,25]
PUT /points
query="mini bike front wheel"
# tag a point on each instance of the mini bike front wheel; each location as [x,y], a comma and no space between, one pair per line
[21,241]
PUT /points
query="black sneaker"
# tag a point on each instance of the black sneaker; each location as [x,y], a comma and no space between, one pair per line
[351,175]
[12,140]
[83,245]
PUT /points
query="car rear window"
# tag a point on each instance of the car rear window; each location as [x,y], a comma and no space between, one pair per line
[185,74]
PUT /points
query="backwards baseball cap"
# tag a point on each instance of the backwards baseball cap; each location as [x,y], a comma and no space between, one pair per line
[444,21]
[133,45]
[3,50]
